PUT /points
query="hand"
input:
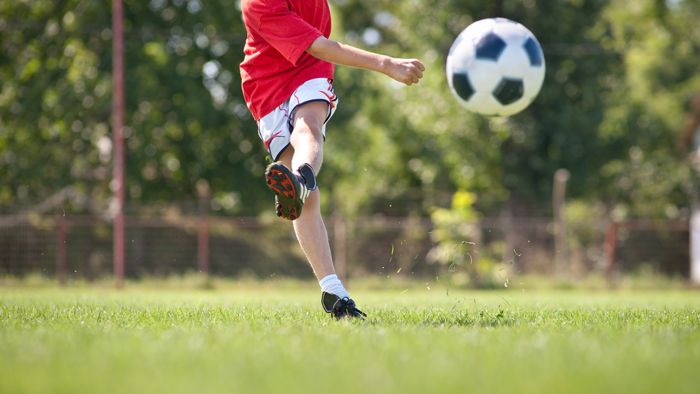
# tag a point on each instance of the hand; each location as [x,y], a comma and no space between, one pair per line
[408,71]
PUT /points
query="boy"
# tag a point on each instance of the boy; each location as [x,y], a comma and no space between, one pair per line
[287,82]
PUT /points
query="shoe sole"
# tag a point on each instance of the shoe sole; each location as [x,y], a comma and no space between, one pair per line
[279,179]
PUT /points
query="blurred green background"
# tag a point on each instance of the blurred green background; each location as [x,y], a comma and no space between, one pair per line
[619,77]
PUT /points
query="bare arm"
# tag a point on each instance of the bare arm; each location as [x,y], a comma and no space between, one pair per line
[408,71]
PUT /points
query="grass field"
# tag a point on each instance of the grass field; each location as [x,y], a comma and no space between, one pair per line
[91,340]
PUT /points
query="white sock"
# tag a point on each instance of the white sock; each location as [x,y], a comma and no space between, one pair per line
[331,284]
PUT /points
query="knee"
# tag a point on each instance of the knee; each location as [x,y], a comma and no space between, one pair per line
[309,130]
[309,119]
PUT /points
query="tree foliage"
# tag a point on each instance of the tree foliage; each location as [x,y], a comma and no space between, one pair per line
[186,120]
[618,75]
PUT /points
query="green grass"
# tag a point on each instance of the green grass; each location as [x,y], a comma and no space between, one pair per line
[92,340]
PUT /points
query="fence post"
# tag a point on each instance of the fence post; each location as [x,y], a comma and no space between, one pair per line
[561,177]
[203,228]
[118,139]
[609,248]
[695,245]
[61,236]
[506,226]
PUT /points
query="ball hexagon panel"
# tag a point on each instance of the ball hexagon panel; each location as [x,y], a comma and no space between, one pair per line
[509,90]
[512,33]
[485,103]
[513,62]
[461,56]
[483,76]
[461,85]
[533,79]
[534,53]
[479,28]
[490,47]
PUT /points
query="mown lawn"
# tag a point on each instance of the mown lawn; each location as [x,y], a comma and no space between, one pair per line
[91,340]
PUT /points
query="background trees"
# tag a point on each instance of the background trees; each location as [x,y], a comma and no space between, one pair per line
[187,122]
[619,74]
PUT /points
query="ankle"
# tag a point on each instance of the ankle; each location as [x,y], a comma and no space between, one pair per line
[331,284]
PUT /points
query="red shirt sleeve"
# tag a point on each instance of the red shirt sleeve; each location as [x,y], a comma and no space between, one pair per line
[280,27]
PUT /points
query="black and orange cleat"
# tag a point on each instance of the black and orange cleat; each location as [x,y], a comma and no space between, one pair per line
[290,190]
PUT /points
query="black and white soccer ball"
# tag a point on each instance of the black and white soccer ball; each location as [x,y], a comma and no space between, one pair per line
[495,67]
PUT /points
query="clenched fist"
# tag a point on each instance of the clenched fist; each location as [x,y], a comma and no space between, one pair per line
[408,71]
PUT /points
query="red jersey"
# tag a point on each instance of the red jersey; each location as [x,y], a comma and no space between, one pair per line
[276,62]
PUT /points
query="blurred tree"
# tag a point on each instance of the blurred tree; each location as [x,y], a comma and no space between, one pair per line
[186,122]
[54,101]
[436,147]
[660,46]
[618,74]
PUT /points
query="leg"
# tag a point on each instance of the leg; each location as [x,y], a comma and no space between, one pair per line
[307,136]
[294,190]
[313,237]
[307,147]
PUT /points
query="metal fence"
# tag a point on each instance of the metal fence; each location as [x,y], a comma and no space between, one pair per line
[81,246]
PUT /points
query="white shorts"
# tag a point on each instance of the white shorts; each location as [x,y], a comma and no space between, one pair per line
[275,128]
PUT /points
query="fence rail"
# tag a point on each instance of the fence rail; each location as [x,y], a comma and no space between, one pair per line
[81,246]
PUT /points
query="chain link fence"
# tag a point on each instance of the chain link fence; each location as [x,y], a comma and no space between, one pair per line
[81,247]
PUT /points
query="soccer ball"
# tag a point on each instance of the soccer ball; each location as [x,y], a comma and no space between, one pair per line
[495,67]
